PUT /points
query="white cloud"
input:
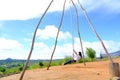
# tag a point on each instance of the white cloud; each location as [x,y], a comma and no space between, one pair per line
[114,6]
[21,9]
[42,51]
[27,9]
[109,5]
[96,45]
[112,46]
[7,44]
[27,39]
[50,31]
[13,49]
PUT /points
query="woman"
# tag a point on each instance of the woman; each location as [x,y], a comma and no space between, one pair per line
[75,58]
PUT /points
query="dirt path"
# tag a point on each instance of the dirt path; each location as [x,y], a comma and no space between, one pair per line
[92,71]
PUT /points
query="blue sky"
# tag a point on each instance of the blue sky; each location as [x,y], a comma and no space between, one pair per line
[18,19]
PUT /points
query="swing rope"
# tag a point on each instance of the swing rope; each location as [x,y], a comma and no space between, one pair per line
[71,28]
[33,40]
[78,30]
[93,29]
[57,35]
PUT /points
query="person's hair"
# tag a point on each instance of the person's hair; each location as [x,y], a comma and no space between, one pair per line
[80,54]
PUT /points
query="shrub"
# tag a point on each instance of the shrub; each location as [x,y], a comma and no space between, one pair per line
[67,58]
[41,64]
[60,62]
[91,53]
[80,61]
[20,68]
[2,69]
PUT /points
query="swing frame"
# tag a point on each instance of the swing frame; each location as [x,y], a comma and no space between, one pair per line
[60,24]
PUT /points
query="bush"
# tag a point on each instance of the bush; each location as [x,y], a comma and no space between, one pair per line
[12,71]
[80,61]
[91,53]
[20,68]
[67,58]
[60,62]
[41,64]
[1,73]
[2,69]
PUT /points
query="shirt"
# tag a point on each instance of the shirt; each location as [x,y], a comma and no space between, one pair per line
[76,58]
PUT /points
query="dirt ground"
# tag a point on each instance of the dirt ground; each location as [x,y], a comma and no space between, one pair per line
[98,70]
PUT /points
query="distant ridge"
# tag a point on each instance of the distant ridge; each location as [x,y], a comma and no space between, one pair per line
[117,53]
[113,54]
[9,59]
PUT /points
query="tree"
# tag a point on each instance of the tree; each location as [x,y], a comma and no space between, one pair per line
[41,64]
[91,53]
[2,69]
[20,68]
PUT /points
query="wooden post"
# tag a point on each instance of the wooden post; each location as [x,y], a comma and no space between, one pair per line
[114,71]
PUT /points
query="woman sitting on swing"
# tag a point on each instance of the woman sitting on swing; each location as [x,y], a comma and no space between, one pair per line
[75,59]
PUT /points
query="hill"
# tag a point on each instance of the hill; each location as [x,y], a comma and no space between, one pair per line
[112,54]
[117,53]
[98,70]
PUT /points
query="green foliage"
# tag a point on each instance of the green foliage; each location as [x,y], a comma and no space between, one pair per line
[1,73]
[67,58]
[57,62]
[2,69]
[60,62]
[13,70]
[20,68]
[104,58]
[45,64]
[82,60]
[91,53]
[54,63]
[41,64]
[87,60]
[34,66]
